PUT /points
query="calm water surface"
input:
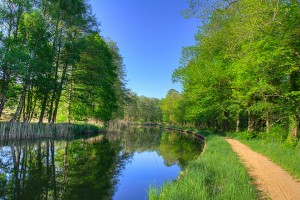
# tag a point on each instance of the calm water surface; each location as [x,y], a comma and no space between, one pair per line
[120,166]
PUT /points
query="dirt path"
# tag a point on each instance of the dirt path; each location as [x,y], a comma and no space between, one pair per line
[269,178]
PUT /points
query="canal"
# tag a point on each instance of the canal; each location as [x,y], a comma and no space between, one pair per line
[120,165]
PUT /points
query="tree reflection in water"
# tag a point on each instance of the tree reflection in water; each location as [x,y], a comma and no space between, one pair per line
[81,169]
[84,168]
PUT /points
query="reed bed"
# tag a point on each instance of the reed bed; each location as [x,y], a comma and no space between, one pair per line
[117,125]
[27,131]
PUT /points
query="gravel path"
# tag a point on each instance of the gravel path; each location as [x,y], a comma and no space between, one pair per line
[273,181]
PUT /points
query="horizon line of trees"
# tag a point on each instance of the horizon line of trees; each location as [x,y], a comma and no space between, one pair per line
[54,64]
[244,71]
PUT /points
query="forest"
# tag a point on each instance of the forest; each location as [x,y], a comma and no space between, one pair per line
[54,64]
[243,74]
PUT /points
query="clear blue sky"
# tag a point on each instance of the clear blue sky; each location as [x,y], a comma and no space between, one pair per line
[150,35]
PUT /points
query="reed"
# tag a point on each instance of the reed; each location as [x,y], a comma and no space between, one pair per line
[117,125]
[27,131]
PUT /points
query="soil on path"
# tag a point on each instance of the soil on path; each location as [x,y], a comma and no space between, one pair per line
[269,178]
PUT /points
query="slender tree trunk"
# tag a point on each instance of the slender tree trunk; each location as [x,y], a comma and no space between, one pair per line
[226,123]
[294,124]
[69,101]
[251,122]
[22,112]
[22,98]
[54,94]
[32,110]
[238,123]
[59,90]
[268,125]
[4,92]
[29,104]
[43,108]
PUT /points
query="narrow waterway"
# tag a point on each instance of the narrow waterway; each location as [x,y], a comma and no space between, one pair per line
[116,166]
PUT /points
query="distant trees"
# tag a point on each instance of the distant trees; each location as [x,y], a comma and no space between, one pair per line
[244,71]
[142,109]
[54,63]
[173,108]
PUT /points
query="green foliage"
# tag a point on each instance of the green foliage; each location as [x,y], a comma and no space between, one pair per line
[173,108]
[243,72]
[55,65]
[142,109]
[291,142]
[277,134]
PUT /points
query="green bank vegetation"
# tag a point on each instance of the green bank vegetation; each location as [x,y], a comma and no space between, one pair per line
[217,174]
[54,64]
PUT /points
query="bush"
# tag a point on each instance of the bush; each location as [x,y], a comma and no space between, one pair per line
[291,142]
[246,135]
[277,134]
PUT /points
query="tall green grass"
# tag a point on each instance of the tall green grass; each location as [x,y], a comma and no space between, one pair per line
[217,174]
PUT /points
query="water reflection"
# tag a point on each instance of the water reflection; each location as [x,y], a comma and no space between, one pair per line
[92,168]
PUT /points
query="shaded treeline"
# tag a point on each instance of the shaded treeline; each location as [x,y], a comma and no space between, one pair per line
[54,65]
[244,71]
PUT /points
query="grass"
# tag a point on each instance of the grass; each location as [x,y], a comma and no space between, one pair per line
[26,131]
[217,174]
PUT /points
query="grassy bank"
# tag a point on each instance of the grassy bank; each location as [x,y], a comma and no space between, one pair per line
[217,174]
[282,152]
[25,131]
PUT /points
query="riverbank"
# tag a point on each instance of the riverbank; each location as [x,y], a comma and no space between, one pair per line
[216,174]
[27,131]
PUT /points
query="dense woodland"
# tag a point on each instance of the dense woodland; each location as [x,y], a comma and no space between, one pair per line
[244,71]
[142,109]
[54,64]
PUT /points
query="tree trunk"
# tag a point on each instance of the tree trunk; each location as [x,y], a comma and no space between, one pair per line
[4,92]
[22,98]
[294,124]
[238,123]
[226,123]
[54,94]
[70,97]
[251,122]
[59,90]
[268,126]
[43,109]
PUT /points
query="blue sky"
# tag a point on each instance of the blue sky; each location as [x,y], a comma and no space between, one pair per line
[150,35]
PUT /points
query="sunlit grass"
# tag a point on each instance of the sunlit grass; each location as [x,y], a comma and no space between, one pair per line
[217,174]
